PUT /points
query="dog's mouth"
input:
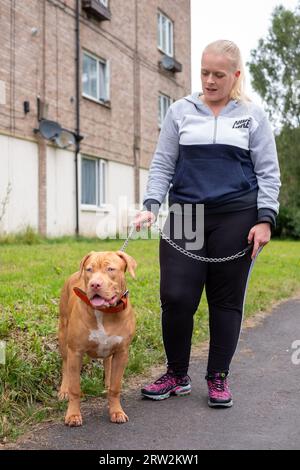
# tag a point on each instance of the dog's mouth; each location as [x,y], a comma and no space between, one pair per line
[98,301]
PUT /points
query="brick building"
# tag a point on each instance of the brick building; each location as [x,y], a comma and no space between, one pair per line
[105,70]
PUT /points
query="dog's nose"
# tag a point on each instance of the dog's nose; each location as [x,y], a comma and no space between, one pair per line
[96,284]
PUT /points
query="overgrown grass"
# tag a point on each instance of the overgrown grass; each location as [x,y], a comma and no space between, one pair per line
[31,276]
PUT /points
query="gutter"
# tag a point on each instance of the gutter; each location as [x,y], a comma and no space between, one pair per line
[77,128]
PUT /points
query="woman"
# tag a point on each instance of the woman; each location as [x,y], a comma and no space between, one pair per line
[215,148]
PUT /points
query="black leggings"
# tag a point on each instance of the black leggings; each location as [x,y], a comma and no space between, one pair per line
[182,281]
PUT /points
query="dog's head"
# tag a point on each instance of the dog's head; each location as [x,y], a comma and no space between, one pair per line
[104,276]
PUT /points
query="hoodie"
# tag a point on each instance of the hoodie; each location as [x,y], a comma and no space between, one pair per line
[227,163]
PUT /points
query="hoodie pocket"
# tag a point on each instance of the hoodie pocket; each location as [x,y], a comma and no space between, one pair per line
[208,179]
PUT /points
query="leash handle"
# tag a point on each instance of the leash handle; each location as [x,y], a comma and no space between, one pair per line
[124,246]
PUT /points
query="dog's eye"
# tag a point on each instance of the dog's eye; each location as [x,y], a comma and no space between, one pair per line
[110,269]
[89,269]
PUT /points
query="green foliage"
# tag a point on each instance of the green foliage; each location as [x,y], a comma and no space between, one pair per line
[288,146]
[275,67]
[288,223]
[28,236]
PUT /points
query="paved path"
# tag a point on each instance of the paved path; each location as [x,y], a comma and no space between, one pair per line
[265,415]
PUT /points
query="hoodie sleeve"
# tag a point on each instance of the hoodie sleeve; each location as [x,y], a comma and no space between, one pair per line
[163,164]
[264,157]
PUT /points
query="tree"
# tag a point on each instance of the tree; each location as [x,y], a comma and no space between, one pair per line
[288,147]
[275,67]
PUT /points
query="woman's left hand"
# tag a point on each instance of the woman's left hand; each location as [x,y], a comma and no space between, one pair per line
[260,235]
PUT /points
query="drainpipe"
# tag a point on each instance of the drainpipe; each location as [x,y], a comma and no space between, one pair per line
[77,129]
[42,145]
[136,112]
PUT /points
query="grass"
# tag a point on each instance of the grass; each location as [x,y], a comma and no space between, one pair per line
[32,272]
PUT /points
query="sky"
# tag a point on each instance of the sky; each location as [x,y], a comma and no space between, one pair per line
[242,21]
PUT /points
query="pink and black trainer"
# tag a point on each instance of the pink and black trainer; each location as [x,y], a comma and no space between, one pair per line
[167,385]
[219,394]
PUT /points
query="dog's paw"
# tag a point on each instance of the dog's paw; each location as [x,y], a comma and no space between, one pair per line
[119,417]
[63,395]
[73,420]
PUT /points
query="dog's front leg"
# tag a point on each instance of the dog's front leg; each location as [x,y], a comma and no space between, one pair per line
[107,372]
[119,361]
[63,393]
[73,416]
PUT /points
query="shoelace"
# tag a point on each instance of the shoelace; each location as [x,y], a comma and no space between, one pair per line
[164,378]
[219,384]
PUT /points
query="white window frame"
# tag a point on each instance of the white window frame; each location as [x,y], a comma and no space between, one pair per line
[101,184]
[165,34]
[164,102]
[104,3]
[107,79]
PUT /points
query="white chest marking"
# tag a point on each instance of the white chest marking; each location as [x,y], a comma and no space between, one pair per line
[99,336]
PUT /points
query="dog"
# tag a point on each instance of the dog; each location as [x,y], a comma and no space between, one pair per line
[96,318]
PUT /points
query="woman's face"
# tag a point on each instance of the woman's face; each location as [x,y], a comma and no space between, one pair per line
[217,77]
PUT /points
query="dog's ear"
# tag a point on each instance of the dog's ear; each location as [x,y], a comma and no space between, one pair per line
[131,264]
[83,261]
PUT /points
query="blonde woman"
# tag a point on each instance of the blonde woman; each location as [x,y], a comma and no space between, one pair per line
[215,148]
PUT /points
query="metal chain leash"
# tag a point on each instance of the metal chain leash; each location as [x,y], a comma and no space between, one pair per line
[124,246]
[240,254]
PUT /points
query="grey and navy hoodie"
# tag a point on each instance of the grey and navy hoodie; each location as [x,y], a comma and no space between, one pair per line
[227,162]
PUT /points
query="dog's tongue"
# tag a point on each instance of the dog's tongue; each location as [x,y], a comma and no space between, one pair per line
[97,301]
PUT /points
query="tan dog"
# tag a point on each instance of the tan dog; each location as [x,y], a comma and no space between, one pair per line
[100,323]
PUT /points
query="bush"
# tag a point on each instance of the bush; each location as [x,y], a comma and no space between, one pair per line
[288,223]
[28,236]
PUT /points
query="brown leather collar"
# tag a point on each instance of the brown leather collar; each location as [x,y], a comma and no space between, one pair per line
[122,304]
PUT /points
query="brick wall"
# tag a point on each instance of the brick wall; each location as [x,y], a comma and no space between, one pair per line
[42,63]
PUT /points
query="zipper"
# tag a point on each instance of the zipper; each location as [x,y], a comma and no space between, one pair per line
[215,130]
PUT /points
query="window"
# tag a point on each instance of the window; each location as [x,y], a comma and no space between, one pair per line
[93,181]
[164,102]
[104,2]
[95,78]
[165,34]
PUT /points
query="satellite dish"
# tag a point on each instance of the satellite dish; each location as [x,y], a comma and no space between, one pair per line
[65,138]
[170,64]
[53,131]
[49,129]
[167,62]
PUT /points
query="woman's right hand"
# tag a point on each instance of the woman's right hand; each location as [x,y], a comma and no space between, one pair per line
[143,219]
